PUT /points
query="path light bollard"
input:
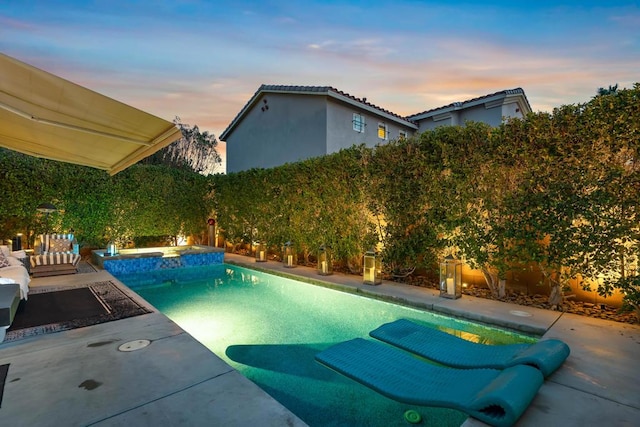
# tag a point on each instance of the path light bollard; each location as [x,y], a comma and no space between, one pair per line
[211,229]
[450,278]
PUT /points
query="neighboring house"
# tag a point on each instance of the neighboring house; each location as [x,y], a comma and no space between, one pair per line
[491,109]
[284,124]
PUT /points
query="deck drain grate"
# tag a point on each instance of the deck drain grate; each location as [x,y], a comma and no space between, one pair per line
[134,345]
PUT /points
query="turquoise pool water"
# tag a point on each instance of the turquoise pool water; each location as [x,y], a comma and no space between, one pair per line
[269,328]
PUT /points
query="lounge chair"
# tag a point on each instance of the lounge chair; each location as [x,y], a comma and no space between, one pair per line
[447,349]
[55,254]
[496,397]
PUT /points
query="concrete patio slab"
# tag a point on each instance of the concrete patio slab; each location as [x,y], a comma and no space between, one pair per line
[80,377]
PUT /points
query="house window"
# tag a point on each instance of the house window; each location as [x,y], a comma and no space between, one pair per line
[403,134]
[358,122]
[383,132]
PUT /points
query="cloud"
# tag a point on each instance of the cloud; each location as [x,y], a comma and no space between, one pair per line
[203,62]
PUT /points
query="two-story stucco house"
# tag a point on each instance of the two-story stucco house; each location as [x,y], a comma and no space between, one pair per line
[283,124]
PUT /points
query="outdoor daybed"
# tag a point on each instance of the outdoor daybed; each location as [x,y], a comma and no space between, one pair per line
[55,254]
[14,286]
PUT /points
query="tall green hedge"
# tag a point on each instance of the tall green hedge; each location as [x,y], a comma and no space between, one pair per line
[556,192]
[310,203]
[143,200]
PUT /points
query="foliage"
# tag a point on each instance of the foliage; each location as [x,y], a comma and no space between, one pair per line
[195,151]
[314,202]
[556,193]
[143,200]
[406,180]
[611,90]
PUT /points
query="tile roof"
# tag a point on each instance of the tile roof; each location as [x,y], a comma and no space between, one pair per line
[326,89]
[315,90]
[363,103]
[463,104]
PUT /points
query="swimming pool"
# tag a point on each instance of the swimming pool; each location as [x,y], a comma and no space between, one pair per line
[269,328]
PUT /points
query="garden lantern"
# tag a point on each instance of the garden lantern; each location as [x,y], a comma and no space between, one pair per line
[372,268]
[261,252]
[450,278]
[112,249]
[289,258]
[324,260]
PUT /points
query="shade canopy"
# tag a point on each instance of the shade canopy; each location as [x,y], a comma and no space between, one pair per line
[46,116]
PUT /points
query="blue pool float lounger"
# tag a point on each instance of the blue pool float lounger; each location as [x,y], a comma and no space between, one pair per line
[496,397]
[447,349]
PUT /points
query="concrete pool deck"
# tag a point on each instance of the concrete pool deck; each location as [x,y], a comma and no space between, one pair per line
[79,377]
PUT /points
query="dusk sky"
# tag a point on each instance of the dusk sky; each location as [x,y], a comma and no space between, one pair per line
[202,60]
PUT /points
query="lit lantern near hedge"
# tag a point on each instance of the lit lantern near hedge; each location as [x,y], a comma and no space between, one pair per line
[112,249]
[261,252]
[450,278]
[325,267]
[372,274]
[289,257]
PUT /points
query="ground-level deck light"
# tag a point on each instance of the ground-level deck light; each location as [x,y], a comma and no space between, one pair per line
[450,278]
[325,266]
[372,274]
[261,252]
[289,258]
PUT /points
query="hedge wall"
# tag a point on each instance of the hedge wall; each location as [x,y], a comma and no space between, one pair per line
[141,201]
[556,192]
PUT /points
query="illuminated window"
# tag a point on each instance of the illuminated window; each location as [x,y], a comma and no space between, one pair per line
[403,134]
[358,122]
[383,133]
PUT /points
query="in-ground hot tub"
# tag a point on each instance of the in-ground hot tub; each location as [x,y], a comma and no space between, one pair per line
[150,259]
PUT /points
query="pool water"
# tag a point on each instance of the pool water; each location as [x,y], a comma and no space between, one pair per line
[269,328]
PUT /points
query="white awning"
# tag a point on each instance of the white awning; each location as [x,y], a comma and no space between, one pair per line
[46,116]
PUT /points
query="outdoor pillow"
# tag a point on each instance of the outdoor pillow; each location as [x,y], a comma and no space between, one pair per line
[59,245]
[4,262]
[4,249]
[14,261]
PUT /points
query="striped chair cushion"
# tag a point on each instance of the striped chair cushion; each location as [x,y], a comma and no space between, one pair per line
[46,240]
[55,258]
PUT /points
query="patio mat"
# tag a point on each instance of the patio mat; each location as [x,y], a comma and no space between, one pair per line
[77,307]
[85,267]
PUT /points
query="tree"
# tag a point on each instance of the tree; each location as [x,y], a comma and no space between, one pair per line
[195,151]
[612,90]
[480,179]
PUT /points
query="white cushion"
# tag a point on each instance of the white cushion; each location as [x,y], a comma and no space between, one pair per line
[19,254]
[14,261]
